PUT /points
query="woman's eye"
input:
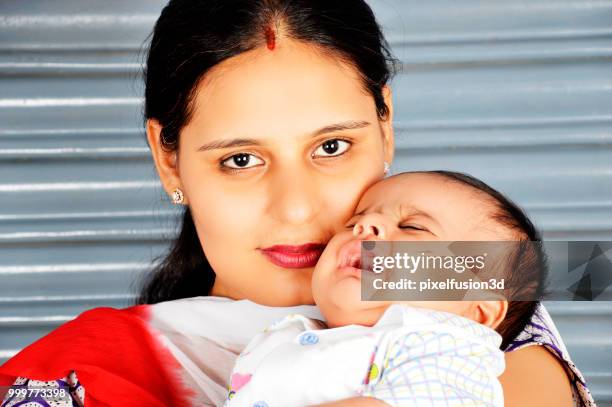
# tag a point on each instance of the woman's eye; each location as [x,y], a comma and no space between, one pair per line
[242,160]
[332,148]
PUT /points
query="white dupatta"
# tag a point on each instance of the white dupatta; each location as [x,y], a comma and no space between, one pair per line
[206,334]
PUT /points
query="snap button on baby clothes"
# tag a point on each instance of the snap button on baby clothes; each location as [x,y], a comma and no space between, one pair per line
[308,338]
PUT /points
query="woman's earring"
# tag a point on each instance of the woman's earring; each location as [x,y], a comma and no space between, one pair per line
[177,196]
[387,167]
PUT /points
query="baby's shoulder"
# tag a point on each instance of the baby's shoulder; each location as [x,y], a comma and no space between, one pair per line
[400,320]
[296,321]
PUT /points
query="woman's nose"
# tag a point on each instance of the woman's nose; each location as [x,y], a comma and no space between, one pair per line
[370,226]
[294,198]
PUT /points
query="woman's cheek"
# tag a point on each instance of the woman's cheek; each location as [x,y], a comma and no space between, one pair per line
[231,218]
[229,234]
[345,192]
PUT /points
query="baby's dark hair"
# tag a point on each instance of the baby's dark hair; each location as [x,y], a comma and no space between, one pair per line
[526,276]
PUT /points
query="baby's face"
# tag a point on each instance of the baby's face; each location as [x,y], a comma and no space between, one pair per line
[408,207]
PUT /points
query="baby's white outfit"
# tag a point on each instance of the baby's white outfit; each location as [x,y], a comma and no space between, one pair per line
[410,357]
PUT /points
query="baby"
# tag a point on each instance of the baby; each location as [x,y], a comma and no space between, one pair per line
[408,353]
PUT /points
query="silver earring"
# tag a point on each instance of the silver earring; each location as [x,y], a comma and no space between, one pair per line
[387,167]
[177,196]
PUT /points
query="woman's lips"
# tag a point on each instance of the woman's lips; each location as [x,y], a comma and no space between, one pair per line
[294,257]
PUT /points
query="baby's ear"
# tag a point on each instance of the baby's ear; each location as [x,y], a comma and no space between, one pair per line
[490,313]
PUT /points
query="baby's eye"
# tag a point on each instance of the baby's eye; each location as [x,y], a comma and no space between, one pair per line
[241,161]
[331,148]
[412,226]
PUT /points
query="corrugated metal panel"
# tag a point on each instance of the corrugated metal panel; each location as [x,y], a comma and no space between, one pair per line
[81,215]
[518,93]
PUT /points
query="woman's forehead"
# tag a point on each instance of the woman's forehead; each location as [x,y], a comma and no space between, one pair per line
[289,88]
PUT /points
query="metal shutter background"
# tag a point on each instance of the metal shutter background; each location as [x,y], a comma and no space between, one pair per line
[518,93]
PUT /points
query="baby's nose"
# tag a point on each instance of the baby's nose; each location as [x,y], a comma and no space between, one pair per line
[368,227]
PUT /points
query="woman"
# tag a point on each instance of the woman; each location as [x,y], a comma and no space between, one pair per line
[267,120]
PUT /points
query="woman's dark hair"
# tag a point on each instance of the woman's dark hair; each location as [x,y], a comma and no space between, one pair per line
[527,273]
[191,37]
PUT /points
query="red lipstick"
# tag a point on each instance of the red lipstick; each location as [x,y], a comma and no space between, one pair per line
[294,257]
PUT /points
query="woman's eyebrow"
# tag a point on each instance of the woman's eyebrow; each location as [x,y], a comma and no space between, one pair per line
[237,142]
[242,142]
[347,125]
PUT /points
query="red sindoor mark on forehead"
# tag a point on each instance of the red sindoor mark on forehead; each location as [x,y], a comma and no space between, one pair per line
[270,38]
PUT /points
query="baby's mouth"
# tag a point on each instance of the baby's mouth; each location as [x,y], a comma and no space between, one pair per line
[354,260]
[350,256]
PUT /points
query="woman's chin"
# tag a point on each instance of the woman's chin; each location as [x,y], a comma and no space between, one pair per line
[285,289]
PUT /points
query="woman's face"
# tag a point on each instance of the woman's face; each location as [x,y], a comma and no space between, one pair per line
[280,146]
